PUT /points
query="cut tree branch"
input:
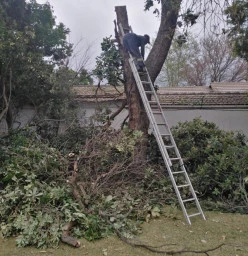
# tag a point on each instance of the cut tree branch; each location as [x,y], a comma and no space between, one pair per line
[5,99]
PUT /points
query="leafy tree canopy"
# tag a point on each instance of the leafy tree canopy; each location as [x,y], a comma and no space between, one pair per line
[237,17]
[108,64]
[31,46]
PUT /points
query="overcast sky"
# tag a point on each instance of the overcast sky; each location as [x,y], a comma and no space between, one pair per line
[92,20]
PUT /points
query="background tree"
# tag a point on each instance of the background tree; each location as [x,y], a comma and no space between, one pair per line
[222,65]
[201,62]
[179,56]
[32,44]
[78,64]
[237,17]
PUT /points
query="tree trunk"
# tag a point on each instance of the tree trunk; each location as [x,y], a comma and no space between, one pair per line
[161,46]
[138,119]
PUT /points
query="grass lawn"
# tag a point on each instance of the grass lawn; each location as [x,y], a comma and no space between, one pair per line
[170,230]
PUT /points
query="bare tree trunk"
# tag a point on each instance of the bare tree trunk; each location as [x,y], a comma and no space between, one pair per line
[138,119]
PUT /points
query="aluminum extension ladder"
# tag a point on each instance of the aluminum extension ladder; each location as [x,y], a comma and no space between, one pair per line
[168,148]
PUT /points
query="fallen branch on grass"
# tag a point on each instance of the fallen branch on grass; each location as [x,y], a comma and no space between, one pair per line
[156,249]
[66,238]
[167,252]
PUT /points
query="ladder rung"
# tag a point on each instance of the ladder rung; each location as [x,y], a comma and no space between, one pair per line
[178,172]
[188,200]
[145,82]
[194,214]
[165,134]
[171,146]
[182,186]
[175,158]
[162,122]
[156,112]
[149,92]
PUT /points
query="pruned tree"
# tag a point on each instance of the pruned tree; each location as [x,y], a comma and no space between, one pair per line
[169,15]
[173,13]
[138,119]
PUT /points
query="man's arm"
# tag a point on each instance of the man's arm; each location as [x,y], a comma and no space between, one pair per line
[143,51]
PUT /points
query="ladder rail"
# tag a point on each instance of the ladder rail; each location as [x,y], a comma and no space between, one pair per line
[150,115]
[160,141]
[162,113]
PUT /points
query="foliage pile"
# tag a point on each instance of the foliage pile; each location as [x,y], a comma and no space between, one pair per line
[105,184]
[99,189]
[110,179]
[35,200]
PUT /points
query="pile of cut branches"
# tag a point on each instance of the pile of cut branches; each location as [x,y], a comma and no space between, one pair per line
[108,162]
[106,186]
[111,179]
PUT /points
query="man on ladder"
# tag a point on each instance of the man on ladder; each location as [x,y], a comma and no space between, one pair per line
[132,42]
